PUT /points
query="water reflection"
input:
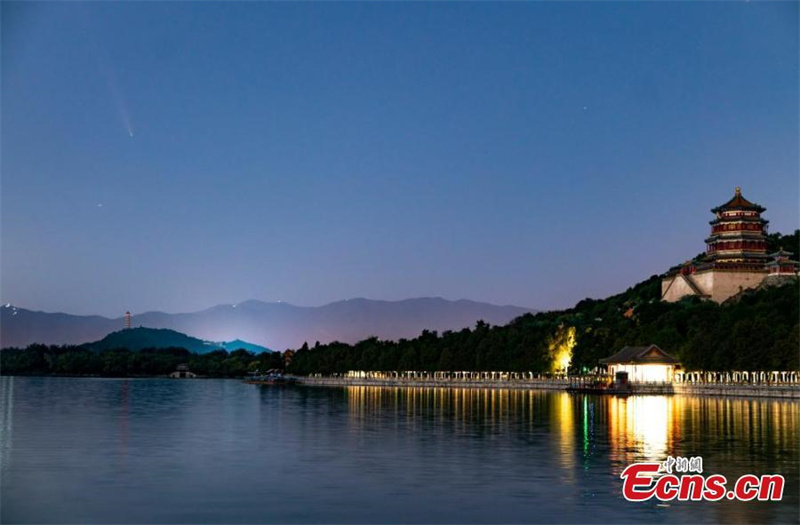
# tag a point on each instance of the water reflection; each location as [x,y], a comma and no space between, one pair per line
[124,417]
[565,431]
[735,436]
[637,428]
[460,408]
[165,451]
[642,428]
[6,409]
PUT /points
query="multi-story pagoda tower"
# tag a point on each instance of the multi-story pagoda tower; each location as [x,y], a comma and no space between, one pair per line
[735,260]
[738,235]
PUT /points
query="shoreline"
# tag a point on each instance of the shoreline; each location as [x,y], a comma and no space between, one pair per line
[719,390]
[791,392]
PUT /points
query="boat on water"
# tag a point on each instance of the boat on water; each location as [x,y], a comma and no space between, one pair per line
[583,389]
[271,377]
[602,385]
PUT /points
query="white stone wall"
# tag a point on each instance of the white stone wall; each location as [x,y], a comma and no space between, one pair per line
[705,282]
[716,284]
[674,288]
[728,284]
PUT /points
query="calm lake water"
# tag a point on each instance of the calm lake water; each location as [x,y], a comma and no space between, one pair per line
[219,451]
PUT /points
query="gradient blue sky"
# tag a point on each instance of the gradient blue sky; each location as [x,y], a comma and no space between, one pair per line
[523,153]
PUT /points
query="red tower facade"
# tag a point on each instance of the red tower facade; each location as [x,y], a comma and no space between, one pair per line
[738,238]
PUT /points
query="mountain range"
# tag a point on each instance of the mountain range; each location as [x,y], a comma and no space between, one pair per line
[275,325]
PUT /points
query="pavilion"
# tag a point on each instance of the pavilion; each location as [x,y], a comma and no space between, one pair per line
[643,364]
[182,372]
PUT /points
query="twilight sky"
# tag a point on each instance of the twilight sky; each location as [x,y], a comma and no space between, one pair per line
[176,155]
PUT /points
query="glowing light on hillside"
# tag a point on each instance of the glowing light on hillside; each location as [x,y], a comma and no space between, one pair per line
[560,348]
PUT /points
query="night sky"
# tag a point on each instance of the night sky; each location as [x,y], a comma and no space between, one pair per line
[172,156]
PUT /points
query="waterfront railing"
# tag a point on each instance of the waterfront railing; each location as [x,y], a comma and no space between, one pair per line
[739,377]
[777,377]
[465,376]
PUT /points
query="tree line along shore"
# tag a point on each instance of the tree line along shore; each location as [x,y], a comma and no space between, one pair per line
[151,362]
[757,330]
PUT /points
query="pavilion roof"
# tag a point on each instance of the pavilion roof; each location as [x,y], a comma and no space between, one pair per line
[738,203]
[641,355]
[781,253]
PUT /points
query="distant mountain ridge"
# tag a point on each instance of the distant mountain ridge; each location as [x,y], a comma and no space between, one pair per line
[275,325]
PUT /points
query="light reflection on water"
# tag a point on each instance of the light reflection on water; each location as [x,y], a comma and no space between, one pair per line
[206,451]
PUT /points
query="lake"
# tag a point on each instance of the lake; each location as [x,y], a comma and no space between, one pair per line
[220,451]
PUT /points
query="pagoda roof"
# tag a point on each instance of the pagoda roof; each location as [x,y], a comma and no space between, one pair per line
[738,203]
[784,262]
[643,355]
[781,252]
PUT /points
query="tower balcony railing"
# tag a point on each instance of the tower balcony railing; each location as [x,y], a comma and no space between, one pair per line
[748,227]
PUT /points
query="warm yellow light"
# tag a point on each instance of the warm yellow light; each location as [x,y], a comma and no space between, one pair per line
[655,372]
[646,372]
[650,418]
[560,347]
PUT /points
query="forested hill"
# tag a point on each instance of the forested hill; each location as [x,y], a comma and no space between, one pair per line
[141,338]
[757,331]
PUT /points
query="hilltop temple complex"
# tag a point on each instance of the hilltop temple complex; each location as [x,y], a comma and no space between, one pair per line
[736,257]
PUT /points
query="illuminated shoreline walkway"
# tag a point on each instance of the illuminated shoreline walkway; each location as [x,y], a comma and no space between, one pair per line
[784,384]
[733,377]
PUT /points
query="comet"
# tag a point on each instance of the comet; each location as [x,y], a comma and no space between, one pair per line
[105,66]
[107,70]
[119,101]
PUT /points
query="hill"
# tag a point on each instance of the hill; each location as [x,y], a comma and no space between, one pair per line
[274,325]
[238,344]
[756,330]
[759,330]
[135,339]
[140,338]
